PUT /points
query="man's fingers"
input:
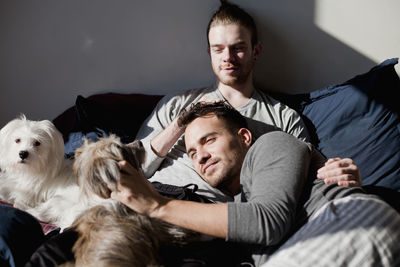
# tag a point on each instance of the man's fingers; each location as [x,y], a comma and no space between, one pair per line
[127,169]
[328,173]
[348,183]
[209,99]
[337,167]
[113,195]
[337,163]
[332,160]
[343,180]
[116,195]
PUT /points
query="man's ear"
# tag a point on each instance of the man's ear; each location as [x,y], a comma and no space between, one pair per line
[245,136]
[257,50]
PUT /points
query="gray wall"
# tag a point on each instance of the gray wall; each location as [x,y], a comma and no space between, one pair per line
[53,50]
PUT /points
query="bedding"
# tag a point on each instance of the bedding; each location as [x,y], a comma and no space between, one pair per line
[350,231]
[358,118]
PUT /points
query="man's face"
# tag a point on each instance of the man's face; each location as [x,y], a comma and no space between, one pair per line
[217,154]
[232,54]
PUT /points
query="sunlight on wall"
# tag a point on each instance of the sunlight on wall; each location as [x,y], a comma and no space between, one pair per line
[371,27]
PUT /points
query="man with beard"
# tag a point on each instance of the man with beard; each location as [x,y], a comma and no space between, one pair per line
[233,48]
[273,182]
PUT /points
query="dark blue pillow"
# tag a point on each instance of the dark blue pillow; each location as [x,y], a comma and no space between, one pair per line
[359,119]
[102,114]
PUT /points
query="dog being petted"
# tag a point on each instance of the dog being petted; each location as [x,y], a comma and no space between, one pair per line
[96,163]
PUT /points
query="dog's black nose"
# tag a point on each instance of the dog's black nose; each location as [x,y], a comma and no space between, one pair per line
[23,154]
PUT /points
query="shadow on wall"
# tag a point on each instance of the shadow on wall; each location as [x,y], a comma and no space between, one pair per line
[297,55]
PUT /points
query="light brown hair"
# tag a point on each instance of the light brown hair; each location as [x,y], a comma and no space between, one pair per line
[232,14]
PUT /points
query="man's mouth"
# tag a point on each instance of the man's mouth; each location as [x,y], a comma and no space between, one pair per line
[211,164]
[229,67]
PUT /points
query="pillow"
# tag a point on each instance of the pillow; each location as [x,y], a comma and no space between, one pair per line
[103,114]
[358,119]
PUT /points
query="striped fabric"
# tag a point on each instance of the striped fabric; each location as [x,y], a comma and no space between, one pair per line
[352,231]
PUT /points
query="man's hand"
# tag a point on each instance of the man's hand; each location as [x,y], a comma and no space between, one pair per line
[135,191]
[344,172]
[164,141]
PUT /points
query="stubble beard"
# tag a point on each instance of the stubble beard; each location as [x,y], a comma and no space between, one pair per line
[220,178]
[235,80]
[223,178]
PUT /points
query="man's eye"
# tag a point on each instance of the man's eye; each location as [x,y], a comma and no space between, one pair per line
[210,140]
[192,155]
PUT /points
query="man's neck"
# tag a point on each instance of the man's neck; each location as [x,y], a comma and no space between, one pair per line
[237,96]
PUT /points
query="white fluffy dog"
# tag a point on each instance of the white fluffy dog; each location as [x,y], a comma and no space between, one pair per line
[35,176]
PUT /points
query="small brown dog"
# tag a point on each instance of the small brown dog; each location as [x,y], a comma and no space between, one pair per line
[112,234]
[96,163]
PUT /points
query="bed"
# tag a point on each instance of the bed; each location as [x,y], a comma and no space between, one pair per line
[358,118]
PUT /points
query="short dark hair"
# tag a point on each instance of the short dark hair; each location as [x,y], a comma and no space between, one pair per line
[232,14]
[233,119]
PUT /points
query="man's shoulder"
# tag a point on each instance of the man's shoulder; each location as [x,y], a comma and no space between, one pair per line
[190,92]
[268,97]
[265,94]
[279,140]
[274,104]
[277,148]
[274,135]
[184,97]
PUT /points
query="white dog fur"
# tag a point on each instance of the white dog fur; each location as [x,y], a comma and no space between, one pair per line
[35,176]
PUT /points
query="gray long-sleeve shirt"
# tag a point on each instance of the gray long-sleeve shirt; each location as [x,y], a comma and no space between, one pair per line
[279,190]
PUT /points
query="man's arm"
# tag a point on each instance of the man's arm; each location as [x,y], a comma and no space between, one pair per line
[159,123]
[136,192]
[158,120]
[209,219]
[163,142]
[159,131]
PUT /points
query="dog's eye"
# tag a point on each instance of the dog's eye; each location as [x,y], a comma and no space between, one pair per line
[37,143]
[17,140]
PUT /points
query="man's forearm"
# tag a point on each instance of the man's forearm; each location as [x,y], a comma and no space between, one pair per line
[136,192]
[162,143]
[209,219]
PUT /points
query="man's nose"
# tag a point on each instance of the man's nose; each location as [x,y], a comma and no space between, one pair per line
[203,156]
[227,54]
